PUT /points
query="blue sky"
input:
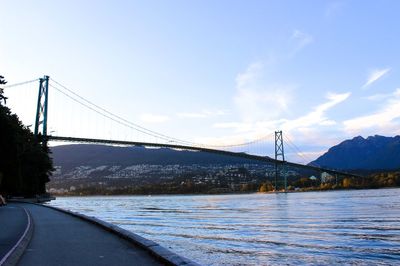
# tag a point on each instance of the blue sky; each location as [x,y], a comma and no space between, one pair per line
[211,71]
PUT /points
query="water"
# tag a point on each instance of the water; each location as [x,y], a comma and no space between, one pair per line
[318,228]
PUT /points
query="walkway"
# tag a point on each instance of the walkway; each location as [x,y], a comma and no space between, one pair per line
[13,222]
[61,239]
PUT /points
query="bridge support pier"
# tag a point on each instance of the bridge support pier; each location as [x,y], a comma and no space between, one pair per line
[279,155]
[41,111]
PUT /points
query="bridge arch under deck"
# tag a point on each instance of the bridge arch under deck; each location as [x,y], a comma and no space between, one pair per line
[193,148]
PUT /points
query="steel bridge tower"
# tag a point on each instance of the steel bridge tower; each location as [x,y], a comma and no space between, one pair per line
[41,111]
[279,155]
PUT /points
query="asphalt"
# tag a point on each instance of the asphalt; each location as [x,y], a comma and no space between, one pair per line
[13,222]
[61,239]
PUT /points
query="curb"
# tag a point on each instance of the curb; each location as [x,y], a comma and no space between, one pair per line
[13,256]
[164,255]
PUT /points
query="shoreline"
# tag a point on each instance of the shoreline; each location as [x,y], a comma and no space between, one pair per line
[221,194]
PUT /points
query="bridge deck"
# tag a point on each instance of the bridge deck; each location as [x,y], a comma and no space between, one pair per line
[205,149]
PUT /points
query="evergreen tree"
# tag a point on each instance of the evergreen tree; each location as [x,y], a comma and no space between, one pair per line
[2,97]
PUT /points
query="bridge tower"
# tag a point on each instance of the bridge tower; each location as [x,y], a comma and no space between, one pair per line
[41,111]
[279,155]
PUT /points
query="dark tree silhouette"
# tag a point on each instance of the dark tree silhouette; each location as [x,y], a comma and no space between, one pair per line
[25,165]
[2,97]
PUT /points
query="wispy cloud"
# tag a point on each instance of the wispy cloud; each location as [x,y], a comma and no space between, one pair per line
[382,119]
[317,116]
[153,118]
[237,126]
[202,114]
[298,40]
[257,99]
[374,75]
[192,115]
[233,139]
[262,106]
[328,122]
[303,125]
[301,38]
[378,96]
[249,76]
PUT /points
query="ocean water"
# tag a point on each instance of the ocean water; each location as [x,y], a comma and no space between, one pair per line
[359,227]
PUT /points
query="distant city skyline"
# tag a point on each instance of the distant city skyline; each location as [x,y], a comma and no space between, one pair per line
[211,72]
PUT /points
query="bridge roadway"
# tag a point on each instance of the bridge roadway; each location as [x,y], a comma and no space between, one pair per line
[62,239]
[265,159]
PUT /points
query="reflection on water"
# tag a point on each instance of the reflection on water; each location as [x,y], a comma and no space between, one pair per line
[342,227]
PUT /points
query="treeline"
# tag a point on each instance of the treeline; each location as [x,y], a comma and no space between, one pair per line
[25,165]
[382,179]
[377,180]
[160,188]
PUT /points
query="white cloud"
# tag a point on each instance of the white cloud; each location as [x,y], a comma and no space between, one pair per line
[234,139]
[328,123]
[305,127]
[153,118]
[378,97]
[257,99]
[382,119]
[375,75]
[261,105]
[249,75]
[237,126]
[382,96]
[203,114]
[317,116]
[192,115]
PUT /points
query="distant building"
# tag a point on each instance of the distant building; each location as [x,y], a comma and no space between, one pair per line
[325,177]
[313,178]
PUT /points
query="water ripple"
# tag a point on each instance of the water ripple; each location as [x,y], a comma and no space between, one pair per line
[316,228]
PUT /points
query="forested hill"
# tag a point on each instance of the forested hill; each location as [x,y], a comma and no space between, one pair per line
[70,156]
[371,153]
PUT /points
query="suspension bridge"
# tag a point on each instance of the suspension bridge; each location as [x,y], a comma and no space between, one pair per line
[158,139]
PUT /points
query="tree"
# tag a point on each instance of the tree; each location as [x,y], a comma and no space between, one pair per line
[265,187]
[303,182]
[25,165]
[347,183]
[2,97]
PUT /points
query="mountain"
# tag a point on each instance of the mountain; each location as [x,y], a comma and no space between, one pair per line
[371,153]
[93,155]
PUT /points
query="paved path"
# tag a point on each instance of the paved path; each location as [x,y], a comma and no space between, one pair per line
[13,222]
[61,239]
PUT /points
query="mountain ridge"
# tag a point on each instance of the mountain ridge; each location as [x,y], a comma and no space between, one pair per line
[372,153]
[70,156]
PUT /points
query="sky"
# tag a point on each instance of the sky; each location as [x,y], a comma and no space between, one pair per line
[213,72]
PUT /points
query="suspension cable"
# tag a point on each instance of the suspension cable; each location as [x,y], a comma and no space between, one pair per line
[105,115]
[18,84]
[299,152]
[244,143]
[143,129]
[296,149]
[140,128]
